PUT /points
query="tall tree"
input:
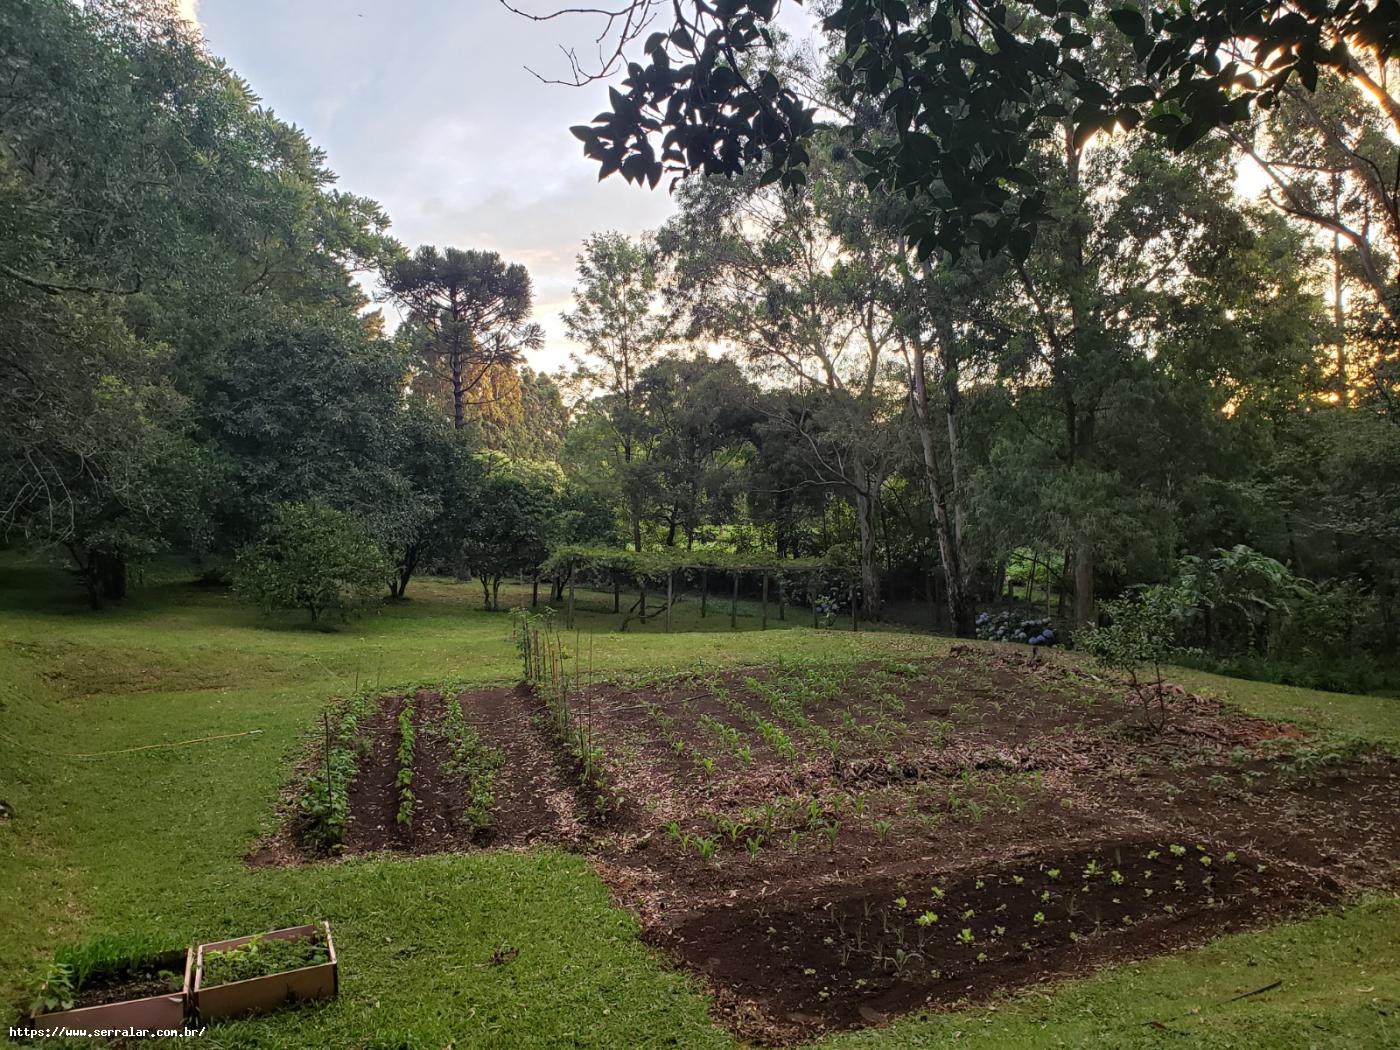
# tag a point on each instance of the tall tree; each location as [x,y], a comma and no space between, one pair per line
[471,309]
[618,320]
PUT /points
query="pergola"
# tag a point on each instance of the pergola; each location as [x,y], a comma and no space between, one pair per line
[645,569]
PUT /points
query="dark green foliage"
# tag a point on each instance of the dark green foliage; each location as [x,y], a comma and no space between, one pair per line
[314,558]
[324,806]
[959,88]
[1137,640]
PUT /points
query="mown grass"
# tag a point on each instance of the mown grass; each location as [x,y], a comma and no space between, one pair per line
[151,842]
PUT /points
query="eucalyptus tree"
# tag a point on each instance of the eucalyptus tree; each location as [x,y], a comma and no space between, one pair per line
[619,321]
[1330,160]
[793,281]
[471,311]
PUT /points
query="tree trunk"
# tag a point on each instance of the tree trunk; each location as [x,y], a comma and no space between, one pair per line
[869,567]
[962,613]
[1085,608]
[458,392]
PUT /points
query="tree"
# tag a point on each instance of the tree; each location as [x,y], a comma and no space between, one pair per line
[470,309]
[312,557]
[697,414]
[962,83]
[792,280]
[139,239]
[441,482]
[507,530]
[1138,639]
[617,320]
[302,408]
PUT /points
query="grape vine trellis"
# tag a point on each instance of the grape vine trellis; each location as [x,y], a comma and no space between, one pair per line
[645,570]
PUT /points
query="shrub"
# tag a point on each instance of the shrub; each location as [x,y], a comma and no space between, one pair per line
[314,558]
[1013,627]
[1138,639]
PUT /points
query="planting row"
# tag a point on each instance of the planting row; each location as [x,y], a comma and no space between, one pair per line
[854,954]
[397,772]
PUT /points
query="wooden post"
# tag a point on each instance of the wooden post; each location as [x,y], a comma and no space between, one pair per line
[670,596]
[765,601]
[570,621]
[535,593]
[734,604]
[855,620]
[704,590]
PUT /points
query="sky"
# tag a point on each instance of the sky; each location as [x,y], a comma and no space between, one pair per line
[427,107]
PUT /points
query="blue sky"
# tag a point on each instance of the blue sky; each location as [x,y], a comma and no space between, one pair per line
[426,106]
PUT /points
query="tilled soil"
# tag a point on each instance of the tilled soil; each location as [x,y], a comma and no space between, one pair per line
[827,848]
[534,799]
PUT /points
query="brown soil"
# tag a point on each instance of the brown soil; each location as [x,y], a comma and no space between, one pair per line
[157,978]
[533,801]
[813,842]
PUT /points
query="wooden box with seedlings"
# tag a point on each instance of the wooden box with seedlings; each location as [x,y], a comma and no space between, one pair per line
[261,972]
[109,984]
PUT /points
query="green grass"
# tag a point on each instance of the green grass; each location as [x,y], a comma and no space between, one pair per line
[150,842]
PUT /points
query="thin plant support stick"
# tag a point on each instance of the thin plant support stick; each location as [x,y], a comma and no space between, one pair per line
[571,595]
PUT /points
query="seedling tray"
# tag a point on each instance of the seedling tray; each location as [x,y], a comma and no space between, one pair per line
[271,991]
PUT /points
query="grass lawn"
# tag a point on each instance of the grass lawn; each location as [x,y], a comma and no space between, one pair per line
[152,841]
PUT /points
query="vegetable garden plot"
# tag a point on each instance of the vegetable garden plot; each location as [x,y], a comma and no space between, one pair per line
[828,846]
[785,832]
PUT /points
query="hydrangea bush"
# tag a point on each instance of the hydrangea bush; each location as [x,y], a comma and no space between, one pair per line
[1013,627]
